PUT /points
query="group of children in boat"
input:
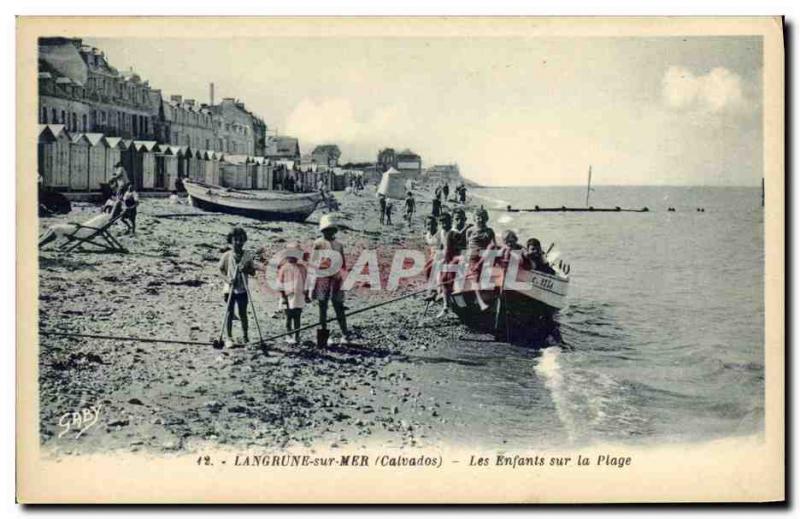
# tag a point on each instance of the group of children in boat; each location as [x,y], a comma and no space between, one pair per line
[451,240]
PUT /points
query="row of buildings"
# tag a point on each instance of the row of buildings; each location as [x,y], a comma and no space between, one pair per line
[80,89]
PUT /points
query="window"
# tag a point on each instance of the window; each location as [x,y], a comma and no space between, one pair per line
[103,117]
[44,116]
[85,127]
[74,122]
[63,117]
[53,116]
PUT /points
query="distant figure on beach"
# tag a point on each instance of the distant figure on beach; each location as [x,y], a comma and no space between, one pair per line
[445,191]
[292,283]
[173,198]
[411,206]
[437,193]
[461,192]
[389,209]
[235,267]
[329,288]
[534,259]
[382,207]
[436,207]
[120,180]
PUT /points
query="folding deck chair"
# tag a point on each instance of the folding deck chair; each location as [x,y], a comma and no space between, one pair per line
[100,237]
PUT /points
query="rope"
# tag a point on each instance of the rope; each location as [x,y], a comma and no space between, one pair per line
[117,338]
[267,339]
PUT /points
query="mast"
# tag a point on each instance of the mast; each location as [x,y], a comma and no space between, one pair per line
[589,186]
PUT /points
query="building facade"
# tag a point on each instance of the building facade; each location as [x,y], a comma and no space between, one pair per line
[406,161]
[326,155]
[183,123]
[81,90]
[283,148]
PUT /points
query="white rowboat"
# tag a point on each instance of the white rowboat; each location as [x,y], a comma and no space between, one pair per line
[264,205]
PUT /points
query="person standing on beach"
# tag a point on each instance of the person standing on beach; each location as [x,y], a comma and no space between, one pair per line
[462,193]
[447,239]
[235,266]
[411,206]
[433,239]
[436,206]
[460,230]
[292,283]
[445,191]
[382,207]
[120,179]
[329,288]
[389,209]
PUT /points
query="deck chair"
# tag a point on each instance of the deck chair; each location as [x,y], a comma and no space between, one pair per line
[99,237]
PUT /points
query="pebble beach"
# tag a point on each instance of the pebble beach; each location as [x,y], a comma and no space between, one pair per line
[388,388]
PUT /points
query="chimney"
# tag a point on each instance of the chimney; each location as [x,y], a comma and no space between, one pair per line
[190,102]
[211,92]
[176,98]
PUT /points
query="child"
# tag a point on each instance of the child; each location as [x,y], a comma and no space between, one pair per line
[410,206]
[329,288]
[235,266]
[131,201]
[382,207]
[534,258]
[434,240]
[292,283]
[389,209]
[436,206]
[510,243]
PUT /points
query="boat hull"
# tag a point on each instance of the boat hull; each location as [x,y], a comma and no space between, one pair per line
[271,206]
[524,313]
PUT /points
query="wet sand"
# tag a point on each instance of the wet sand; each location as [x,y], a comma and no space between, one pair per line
[390,387]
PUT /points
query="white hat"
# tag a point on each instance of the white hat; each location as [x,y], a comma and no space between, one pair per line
[326,222]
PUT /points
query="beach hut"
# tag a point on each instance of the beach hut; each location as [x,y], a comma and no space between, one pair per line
[114,148]
[166,170]
[234,172]
[145,177]
[53,155]
[97,160]
[264,173]
[393,184]
[79,162]
[197,165]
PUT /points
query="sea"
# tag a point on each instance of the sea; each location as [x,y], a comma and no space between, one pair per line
[663,336]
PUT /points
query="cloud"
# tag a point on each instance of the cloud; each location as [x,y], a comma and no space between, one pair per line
[333,120]
[718,91]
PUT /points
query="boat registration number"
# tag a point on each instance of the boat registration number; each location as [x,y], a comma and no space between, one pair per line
[542,282]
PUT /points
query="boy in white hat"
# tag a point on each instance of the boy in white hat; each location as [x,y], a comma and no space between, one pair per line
[329,288]
[292,283]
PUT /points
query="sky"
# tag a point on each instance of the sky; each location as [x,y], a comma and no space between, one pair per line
[508,111]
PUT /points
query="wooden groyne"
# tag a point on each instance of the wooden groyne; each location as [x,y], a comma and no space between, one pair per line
[564,209]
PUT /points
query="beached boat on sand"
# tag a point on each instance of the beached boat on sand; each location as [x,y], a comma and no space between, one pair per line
[271,205]
[513,313]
